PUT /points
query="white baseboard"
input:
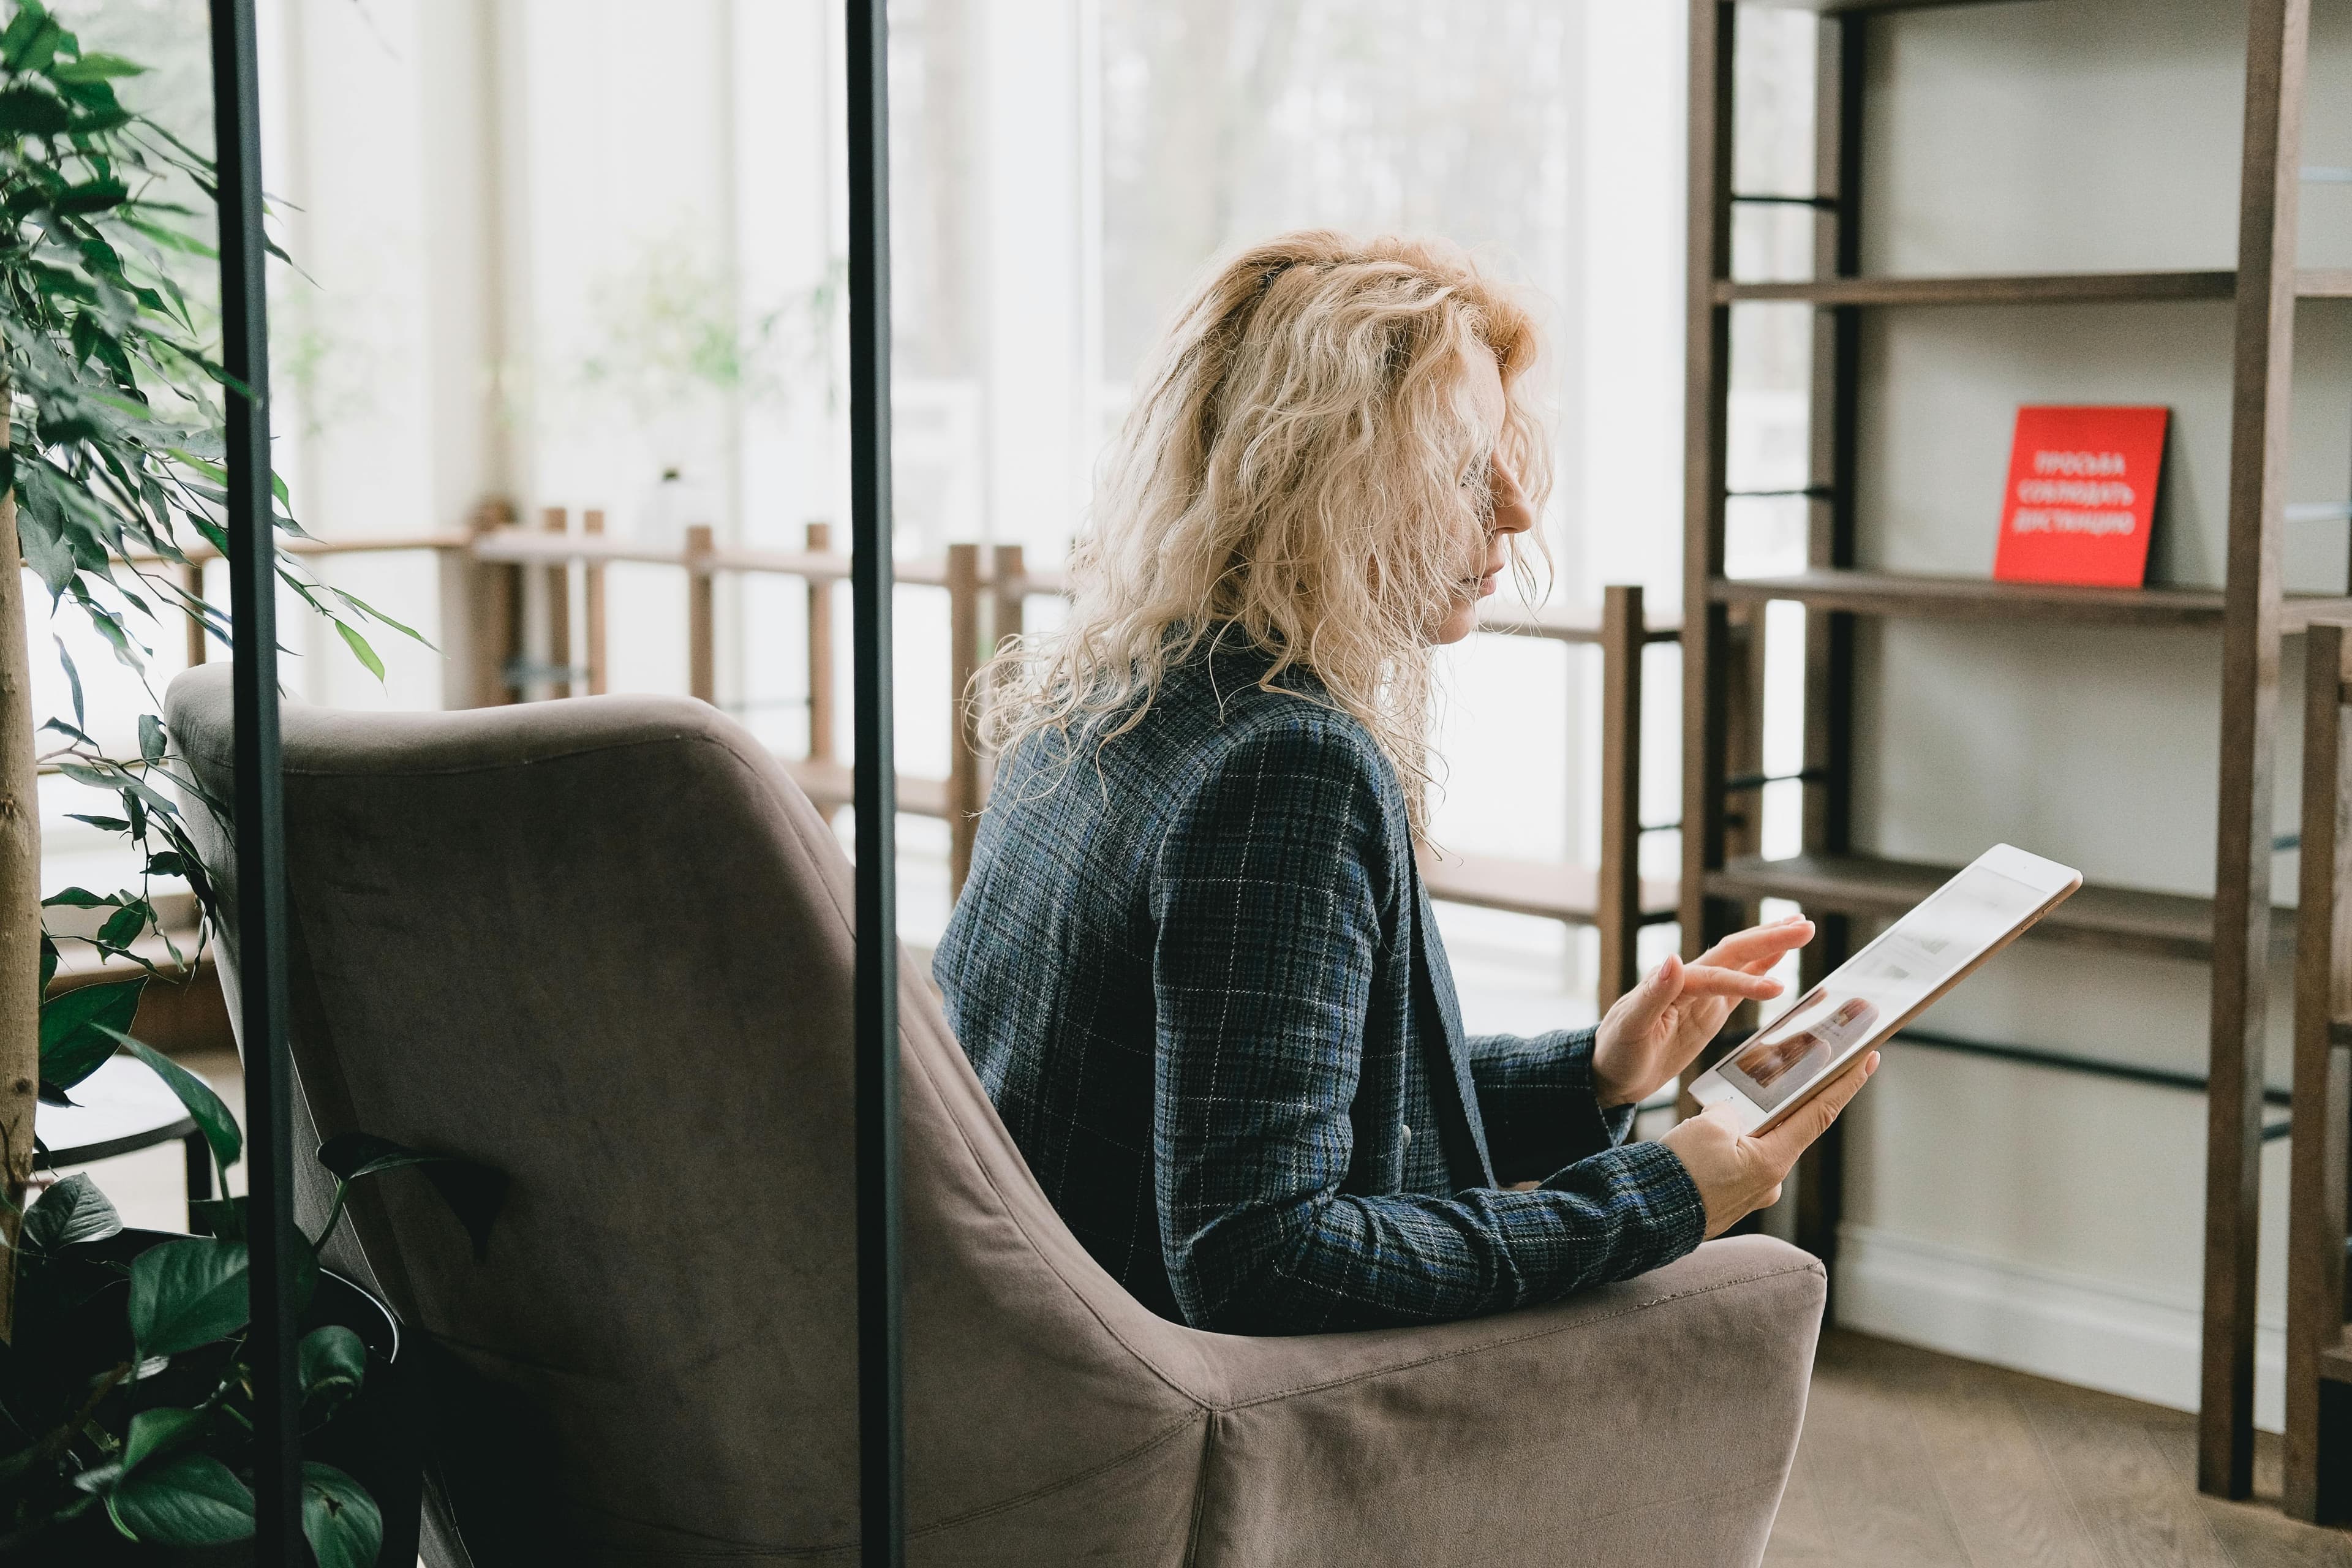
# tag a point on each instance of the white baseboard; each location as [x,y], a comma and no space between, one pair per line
[2093,1332]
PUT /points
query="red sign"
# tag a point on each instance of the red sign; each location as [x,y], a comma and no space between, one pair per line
[2081,497]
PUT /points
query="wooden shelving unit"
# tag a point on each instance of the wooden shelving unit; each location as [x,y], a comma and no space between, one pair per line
[2233,930]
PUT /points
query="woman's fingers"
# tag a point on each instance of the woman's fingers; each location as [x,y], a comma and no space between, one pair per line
[1638,1012]
[1761,947]
[1781,1145]
[1712,980]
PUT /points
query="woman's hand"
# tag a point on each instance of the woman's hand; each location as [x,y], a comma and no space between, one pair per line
[1736,1174]
[1657,1028]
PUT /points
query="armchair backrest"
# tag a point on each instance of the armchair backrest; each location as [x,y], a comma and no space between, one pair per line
[605,945]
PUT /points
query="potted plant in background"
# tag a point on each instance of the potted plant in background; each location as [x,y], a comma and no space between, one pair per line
[122,1385]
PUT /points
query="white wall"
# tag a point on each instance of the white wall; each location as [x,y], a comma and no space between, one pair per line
[2046,1219]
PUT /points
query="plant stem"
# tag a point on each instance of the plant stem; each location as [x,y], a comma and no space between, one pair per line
[56,1442]
[20,905]
[334,1213]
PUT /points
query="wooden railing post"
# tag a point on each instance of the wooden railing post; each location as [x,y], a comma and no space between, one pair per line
[192,583]
[555,519]
[820,651]
[2318,1447]
[701,616]
[1618,904]
[964,755]
[591,523]
[1008,575]
[1008,582]
[496,592]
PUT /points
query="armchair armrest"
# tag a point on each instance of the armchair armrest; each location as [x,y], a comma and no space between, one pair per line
[1651,1421]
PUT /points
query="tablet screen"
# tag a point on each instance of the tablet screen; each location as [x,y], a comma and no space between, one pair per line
[1880,985]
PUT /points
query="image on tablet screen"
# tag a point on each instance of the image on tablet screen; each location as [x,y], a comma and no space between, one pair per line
[1908,963]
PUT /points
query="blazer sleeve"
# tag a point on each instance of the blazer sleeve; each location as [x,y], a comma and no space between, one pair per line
[1535,1097]
[1267,895]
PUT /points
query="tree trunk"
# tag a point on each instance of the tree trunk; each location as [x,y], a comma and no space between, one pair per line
[20,906]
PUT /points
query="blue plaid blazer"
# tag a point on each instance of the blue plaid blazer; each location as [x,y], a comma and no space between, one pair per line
[1196,972]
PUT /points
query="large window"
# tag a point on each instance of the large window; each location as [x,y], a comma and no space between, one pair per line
[552,257]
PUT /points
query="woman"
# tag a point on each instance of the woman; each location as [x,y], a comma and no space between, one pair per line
[1194,963]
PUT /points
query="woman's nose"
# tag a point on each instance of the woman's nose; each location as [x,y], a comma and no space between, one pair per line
[1512,514]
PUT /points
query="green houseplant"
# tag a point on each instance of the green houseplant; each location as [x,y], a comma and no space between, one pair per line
[128,1389]
[123,1387]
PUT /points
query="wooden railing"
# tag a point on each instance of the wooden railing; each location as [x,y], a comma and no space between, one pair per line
[988,590]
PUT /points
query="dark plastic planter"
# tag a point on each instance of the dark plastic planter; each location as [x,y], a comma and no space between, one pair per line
[373,1436]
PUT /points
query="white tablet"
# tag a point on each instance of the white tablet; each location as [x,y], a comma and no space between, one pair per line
[1885,985]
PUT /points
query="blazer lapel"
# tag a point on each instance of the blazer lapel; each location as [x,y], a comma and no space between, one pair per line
[1446,1052]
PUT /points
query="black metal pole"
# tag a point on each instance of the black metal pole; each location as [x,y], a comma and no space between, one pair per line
[881,1456]
[259,806]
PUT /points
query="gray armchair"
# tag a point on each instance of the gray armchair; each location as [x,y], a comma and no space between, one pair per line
[604,944]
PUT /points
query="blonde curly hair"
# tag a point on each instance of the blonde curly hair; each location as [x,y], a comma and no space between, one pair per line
[1304,470]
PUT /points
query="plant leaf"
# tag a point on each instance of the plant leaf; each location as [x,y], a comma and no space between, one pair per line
[352,1155]
[188,1294]
[73,682]
[334,1364]
[33,47]
[212,1115]
[473,1191]
[339,1518]
[363,607]
[150,737]
[158,1431]
[79,1028]
[123,926]
[359,648]
[96,66]
[71,1211]
[26,111]
[193,1500]
[223,1217]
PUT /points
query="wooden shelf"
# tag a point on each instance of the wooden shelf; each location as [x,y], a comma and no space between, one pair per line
[1552,889]
[1920,595]
[2336,1363]
[2022,289]
[830,785]
[2044,289]
[2171,925]
[2324,283]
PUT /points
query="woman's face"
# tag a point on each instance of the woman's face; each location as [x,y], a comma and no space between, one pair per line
[1507,511]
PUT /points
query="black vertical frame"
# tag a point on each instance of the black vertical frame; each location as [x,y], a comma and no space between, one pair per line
[259,805]
[882,1529]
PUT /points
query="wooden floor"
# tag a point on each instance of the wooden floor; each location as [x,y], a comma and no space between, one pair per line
[1914,1458]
